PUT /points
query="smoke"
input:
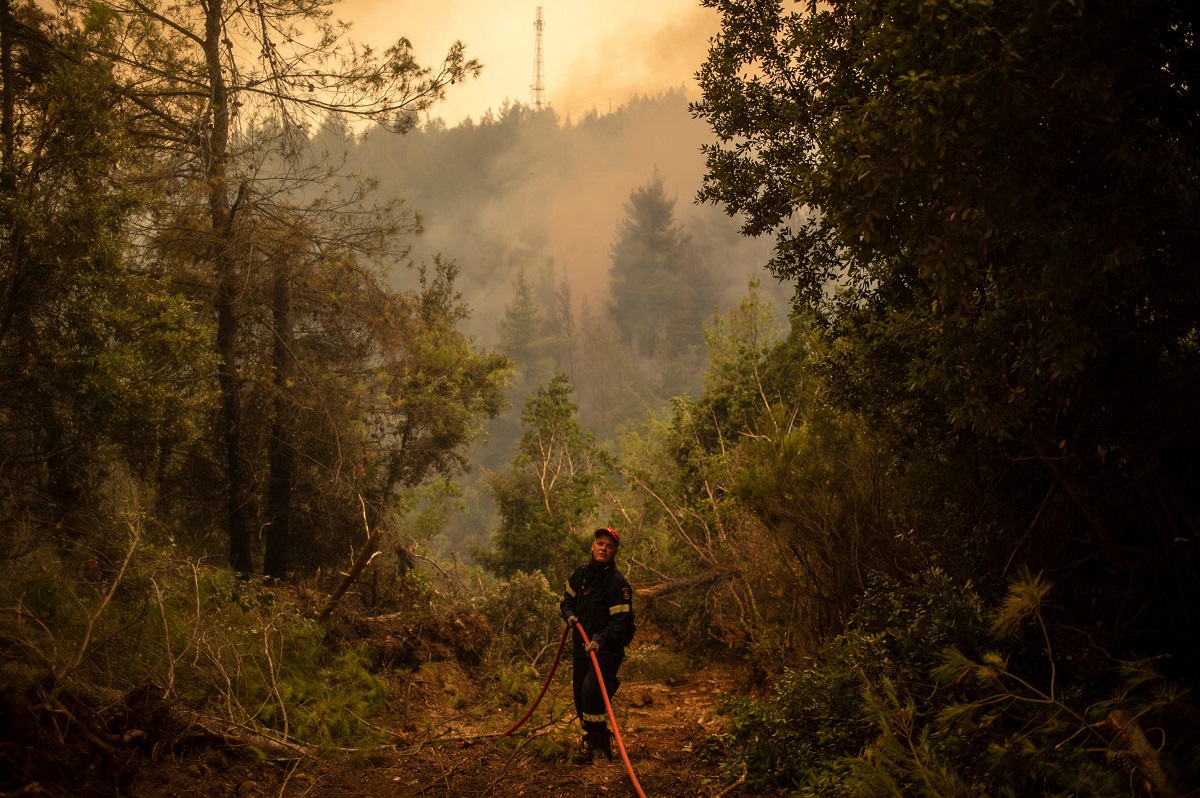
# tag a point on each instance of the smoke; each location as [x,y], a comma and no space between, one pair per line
[520,190]
[595,53]
[525,190]
[626,64]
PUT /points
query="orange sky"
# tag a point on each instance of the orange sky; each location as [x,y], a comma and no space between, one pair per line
[596,53]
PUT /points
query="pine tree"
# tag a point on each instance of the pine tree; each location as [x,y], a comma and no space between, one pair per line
[661,290]
[98,362]
[551,489]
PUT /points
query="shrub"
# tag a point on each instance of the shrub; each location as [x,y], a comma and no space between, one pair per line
[522,611]
[182,634]
[923,696]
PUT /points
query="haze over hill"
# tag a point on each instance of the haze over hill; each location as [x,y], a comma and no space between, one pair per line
[521,189]
[527,198]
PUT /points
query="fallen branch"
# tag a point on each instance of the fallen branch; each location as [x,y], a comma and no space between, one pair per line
[364,558]
[649,594]
[239,735]
[741,780]
[82,653]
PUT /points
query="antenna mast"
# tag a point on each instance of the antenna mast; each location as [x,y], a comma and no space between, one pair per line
[538,89]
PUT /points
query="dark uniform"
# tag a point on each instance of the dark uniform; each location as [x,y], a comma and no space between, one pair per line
[600,597]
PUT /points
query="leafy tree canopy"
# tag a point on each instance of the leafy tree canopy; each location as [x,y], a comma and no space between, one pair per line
[549,497]
[989,205]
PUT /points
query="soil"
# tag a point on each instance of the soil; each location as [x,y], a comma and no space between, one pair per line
[664,726]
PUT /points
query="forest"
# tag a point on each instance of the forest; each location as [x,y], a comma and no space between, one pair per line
[882,354]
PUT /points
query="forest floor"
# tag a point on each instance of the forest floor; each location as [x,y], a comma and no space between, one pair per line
[663,723]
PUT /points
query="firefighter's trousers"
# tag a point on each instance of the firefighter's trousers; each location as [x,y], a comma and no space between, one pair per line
[589,702]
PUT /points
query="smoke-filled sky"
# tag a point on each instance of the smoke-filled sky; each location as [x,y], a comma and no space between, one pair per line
[595,53]
[618,77]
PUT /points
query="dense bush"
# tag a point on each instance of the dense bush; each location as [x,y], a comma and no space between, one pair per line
[924,694]
[523,613]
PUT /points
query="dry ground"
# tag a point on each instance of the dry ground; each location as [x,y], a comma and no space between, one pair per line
[664,726]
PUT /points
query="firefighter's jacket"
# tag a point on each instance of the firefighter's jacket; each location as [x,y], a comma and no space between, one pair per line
[603,602]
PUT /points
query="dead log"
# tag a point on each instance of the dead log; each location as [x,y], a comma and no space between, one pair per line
[649,594]
[208,729]
[360,562]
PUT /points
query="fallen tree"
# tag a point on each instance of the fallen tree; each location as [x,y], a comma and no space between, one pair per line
[648,595]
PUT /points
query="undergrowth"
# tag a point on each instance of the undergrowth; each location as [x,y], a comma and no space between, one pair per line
[194,642]
[926,694]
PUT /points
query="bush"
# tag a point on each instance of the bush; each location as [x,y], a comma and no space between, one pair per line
[522,611]
[922,695]
[181,634]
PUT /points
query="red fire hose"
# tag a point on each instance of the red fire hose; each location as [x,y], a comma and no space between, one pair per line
[612,719]
[538,700]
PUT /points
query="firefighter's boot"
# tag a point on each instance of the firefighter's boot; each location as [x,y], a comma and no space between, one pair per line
[584,754]
[602,743]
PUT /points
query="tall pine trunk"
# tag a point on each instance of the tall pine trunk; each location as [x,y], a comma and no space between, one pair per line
[7,123]
[225,264]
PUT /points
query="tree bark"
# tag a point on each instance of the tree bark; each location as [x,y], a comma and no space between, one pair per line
[7,124]
[225,265]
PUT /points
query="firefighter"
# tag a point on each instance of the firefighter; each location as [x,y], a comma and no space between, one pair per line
[598,597]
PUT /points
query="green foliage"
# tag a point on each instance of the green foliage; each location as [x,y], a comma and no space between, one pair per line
[552,748]
[136,619]
[390,398]
[522,611]
[661,289]
[334,386]
[99,357]
[321,696]
[914,148]
[819,489]
[761,474]
[920,696]
[681,468]
[549,497]
[513,683]
[261,662]
[741,346]
[993,224]
[537,326]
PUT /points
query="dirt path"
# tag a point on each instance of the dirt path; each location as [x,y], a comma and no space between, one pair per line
[664,726]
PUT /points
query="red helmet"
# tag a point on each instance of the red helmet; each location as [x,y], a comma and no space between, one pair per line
[608,530]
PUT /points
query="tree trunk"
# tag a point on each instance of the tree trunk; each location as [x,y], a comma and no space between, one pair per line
[225,264]
[8,175]
[1106,536]
[657,591]
[281,448]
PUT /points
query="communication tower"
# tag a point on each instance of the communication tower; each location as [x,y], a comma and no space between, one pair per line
[538,89]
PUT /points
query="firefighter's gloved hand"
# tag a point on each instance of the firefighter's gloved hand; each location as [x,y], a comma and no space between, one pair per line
[592,646]
[572,621]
